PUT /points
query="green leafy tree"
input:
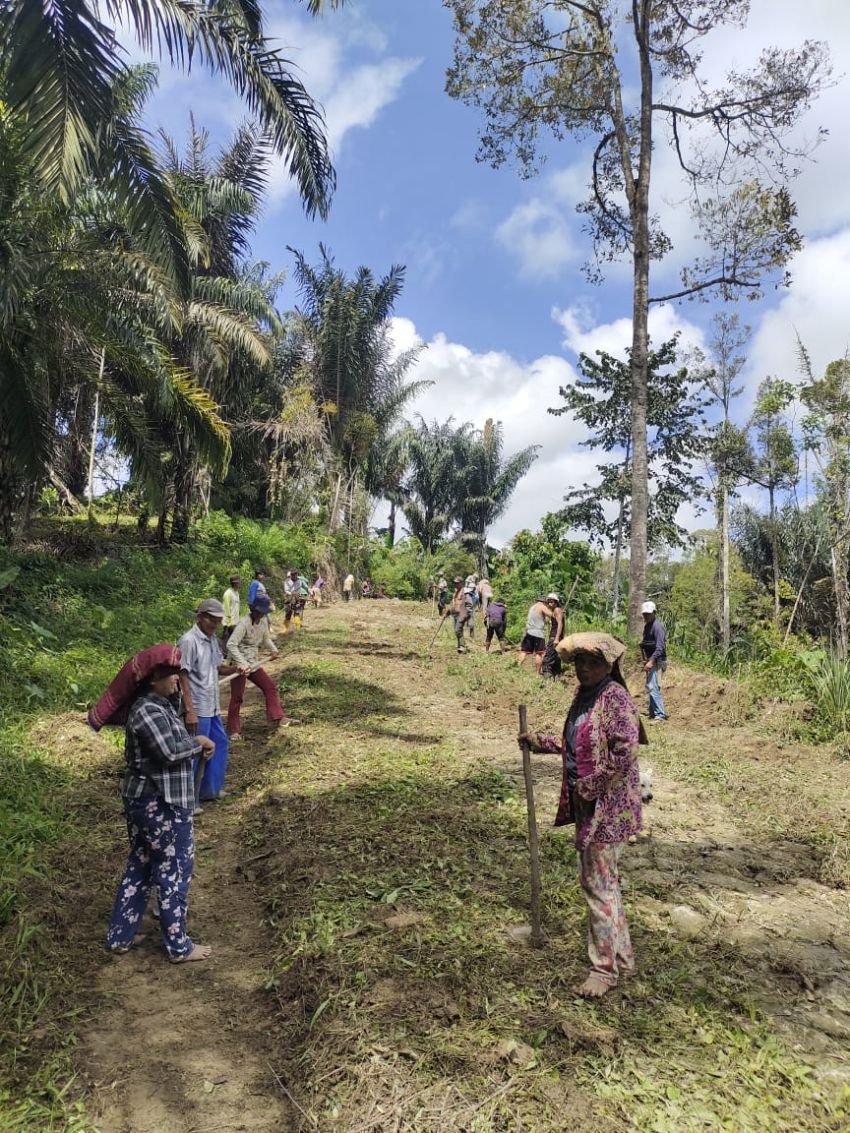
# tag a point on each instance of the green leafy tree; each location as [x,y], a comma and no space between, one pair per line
[539,562]
[227,324]
[693,599]
[626,77]
[826,432]
[432,487]
[806,585]
[61,65]
[84,311]
[601,399]
[341,347]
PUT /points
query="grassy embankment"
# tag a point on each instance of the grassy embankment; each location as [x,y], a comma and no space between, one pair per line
[71,611]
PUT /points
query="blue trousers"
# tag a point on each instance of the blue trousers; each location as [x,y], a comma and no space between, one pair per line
[213,781]
[656,700]
[162,855]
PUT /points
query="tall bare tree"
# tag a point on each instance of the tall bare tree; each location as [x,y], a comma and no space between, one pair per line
[624,73]
[729,447]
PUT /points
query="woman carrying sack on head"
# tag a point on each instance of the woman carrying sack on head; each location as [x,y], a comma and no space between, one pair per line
[159,798]
[600,793]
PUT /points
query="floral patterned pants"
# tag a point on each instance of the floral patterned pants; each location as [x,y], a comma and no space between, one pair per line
[608,943]
[162,856]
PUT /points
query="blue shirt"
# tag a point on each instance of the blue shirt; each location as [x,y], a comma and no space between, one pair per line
[654,643]
[254,589]
[200,657]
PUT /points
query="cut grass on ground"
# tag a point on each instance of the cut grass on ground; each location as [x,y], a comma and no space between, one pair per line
[398,873]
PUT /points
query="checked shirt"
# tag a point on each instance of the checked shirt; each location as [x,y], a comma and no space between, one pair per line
[159,753]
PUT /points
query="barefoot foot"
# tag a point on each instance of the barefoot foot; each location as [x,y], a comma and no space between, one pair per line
[122,950]
[199,952]
[594,987]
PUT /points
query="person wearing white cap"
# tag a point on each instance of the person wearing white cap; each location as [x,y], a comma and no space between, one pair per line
[533,643]
[200,668]
[654,650]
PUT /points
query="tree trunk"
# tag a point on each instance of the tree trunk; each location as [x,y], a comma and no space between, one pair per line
[77,442]
[162,521]
[839,560]
[93,443]
[774,548]
[618,545]
[9,490]
[391,526]
[725,611]
[333,516]
[184,478]
[639,211]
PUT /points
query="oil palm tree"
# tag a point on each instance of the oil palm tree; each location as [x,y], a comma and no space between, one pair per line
[61,64]
[341,346]
[437,453]
[489,481]
[230,318]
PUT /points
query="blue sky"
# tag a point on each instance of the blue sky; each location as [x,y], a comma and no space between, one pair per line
[494,290]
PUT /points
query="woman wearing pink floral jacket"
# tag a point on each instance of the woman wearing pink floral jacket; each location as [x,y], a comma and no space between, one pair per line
[600,793]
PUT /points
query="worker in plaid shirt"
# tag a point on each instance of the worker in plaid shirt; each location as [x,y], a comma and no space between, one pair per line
[159,798]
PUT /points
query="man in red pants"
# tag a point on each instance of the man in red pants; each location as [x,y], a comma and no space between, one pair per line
[250,638]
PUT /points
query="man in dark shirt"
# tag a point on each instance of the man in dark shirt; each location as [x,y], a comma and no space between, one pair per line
[654,650]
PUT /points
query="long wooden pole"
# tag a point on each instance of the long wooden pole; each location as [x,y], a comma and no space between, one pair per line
[533,843]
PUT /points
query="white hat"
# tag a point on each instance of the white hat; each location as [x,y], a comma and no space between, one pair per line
[553,597]
[648,608]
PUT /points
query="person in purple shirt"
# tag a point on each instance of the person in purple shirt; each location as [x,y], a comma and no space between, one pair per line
[496,617]
[654,650]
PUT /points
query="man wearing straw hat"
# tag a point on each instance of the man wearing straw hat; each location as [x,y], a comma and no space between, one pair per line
[600,794]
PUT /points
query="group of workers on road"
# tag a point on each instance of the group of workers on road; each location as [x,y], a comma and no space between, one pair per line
[544,629]
[177,746]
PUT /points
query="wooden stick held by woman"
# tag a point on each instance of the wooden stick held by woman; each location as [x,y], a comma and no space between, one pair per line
[533,842]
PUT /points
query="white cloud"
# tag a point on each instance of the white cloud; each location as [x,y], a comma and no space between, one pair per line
[817,306]
[583,336]
[823,206]
[362,94]
[538,234]
[471,386]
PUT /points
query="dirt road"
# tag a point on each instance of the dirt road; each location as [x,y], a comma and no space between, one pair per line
[360,883]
